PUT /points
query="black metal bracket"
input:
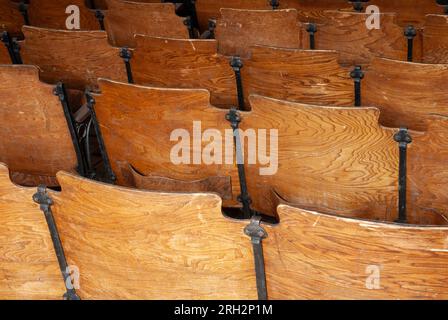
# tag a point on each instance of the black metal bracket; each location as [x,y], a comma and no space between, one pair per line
[257,233]
[43,199]
[274,4]
[99,15]
[358,5]
[105,157]
[410,33]
[60,91]
[126,55]
[210,33]
[357,75]
[189,24]
[236,63]
[23,8]
[311,28]
[9,44]
[403,138]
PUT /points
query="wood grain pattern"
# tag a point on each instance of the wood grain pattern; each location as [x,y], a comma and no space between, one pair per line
[407,93]
[329,159]
[102,4]
[427,173]
[238,30]
[10,18]
[131,244]
[53,51]
[346,32]
[4,55]
[307,76]
[34,137]
[52,14]
[435,39]
[220,185]
[124,19]
[28,264]
[176,63]
[311,255]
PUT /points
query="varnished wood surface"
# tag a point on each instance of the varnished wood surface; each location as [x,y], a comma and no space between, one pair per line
[406,93]
[238,30]
[435,39]
[51,14]
[28,264]
[307,76]
[219,185]
[78,58]
[4,55]
[34,137]
[131,244]
[428,174]
[310,255]
[177,63]
[347,33]
[10,18]
[124,19]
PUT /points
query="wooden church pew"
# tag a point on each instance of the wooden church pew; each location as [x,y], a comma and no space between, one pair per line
[10,18]
[312,255]
[52,14]
[406,93]
[435,39]
[307,76]
[238,30]
[28,264]
[190,63]
[124,19]
[54,52]
[132,244]
[347,33]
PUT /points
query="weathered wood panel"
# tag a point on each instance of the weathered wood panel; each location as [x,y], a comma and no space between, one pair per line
[52,14]
[132,244]
[53,51]
[28,264]
[406,93]
[124,19]
[179,63]
[238,30]
[347,33]
[307,76]
[10,18]
[34,137]
[435,39]
[311,255]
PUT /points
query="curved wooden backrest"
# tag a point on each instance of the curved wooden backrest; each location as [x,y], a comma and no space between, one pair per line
[28,264]
[238,30]
[52,14]
[407,93]
[131,244]
[311,255]
[329,159]
[312,10]
[428,174]
[34,137]
[124,19]
[53,51]
[4,55]
[435,39]
[10,18]
[307,76]
[187,63]
[347,33]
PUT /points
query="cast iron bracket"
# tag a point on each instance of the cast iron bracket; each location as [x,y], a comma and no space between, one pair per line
[236,63]
[403,138]
[274,4]
[410,33]
[357,75]
[99,15]
[311,28]
[126,55]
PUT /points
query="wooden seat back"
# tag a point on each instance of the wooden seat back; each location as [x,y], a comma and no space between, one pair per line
[435,39]
[10,18]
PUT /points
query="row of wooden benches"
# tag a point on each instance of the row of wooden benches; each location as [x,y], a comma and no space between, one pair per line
[111,242]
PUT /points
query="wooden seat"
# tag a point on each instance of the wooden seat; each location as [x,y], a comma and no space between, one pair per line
[53,51]
[52,14]
[347,33]
[28,264]
[307,76]
[311,255]
[4,55]
[238,30]
[124,19]
[407,93]
[10,18]
[179,63]
[34,138]
[130,244]
[435,39]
